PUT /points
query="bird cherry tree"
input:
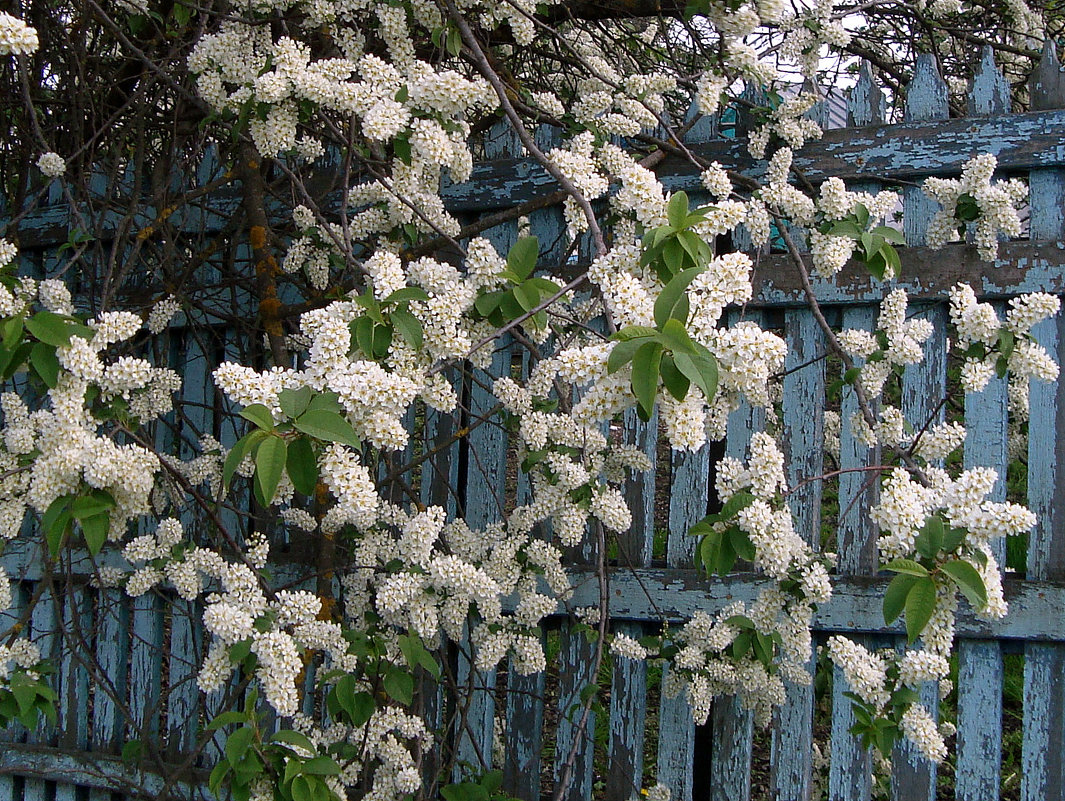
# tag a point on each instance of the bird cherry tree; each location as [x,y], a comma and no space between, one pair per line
[330,128]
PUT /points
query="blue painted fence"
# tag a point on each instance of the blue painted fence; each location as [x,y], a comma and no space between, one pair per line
[141,657]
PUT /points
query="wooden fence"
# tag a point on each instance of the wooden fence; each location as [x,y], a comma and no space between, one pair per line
[147,650]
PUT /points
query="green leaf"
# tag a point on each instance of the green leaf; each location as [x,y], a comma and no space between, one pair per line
[673,379]
[416,654]
[131,751]
[701,370]
[362,332]
[238,743]
[301,789]
[290,737]
[672,301]
[672,259]
[401,147]
[45,363]
[407,293]
[736,504]
[382,341]
[399,684]
[645,364]
[409,327]
[95,530]
[487,303]
[677,210]
[301,465]
[90,505]
[55,521]
[321,766]
[527,296]
[325,401]
[218,775]
[930,539]
[892,235]
[741,543]
[953,538]
[895,596]
[258,415]
[861,214]
[328,426]
[226,719]
[54,329]
[920,604]
[907,566]
[845,228]
[294,402]
[675,337]
[522,256]
[634,332]
[968,580]
[239,651]
[237,453]
[270,461]
[726,554]
[623,352]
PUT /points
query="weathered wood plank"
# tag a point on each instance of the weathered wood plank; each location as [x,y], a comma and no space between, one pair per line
[628,713]
[574,742]
[1043,774]
[183,696]
[849,776]
[74,678]
[690,488]
[914,149]
[803,445]
[110,677]
[525,725]
[980,666]
[731,723]
[628,690]
[145,666]
[924,389]
[104,774]
[857,534]
[1037,609]
[44,627]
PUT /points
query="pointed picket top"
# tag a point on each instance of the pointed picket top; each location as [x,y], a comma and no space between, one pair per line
[926,96]
[989,92]
[1046,84]
[867,104]
[501,141]
[704,128]
[756,96]
[817,112]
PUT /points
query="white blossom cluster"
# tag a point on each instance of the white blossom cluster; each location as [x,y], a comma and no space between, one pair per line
[830,252]
[16,37]
[704,667]
[995,205]
[70,449]
[51,164]
[19,654]
[905,338]
[978,323]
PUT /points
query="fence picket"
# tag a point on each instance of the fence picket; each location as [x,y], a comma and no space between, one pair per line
[803,444]
[1043,771]
[980,665]
[849,771]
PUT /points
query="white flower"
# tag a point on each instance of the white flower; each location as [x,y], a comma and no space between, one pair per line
[51,164]
[16,37]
